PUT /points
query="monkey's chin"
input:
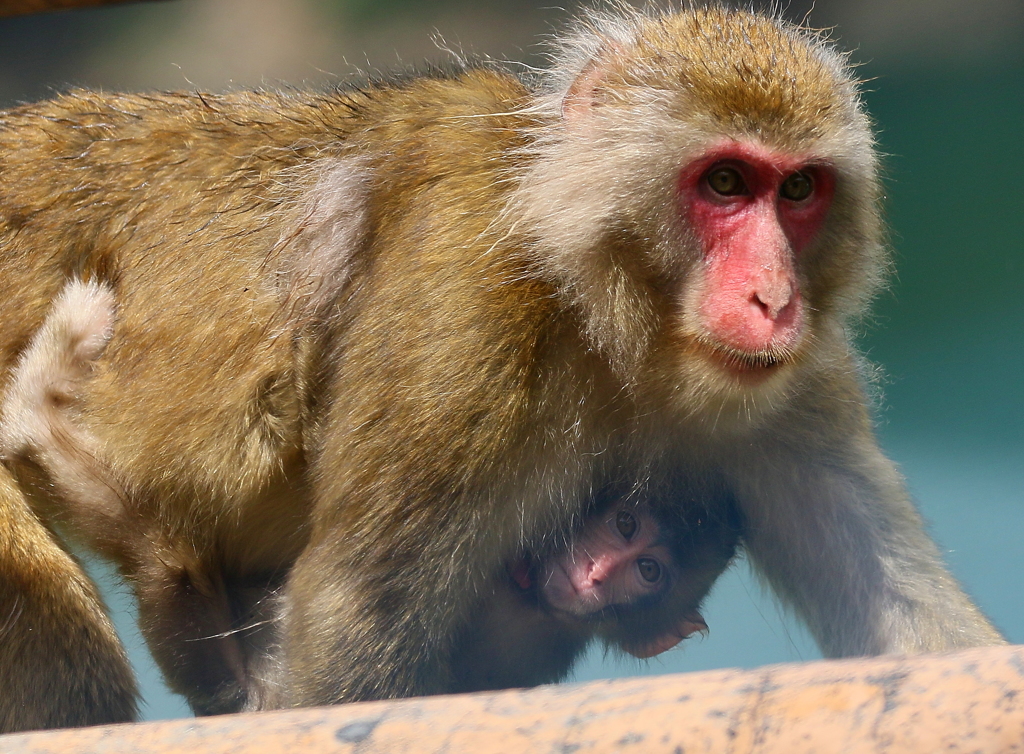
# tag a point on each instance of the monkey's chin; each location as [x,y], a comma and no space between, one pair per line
[730,391]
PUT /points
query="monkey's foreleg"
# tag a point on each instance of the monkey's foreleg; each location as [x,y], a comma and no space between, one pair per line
[389,579]
[362,630]
[829,522]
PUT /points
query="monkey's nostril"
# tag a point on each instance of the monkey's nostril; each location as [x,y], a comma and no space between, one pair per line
[765,310]
[772,303]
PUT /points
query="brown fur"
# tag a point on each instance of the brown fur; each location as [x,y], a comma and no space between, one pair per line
[388,415]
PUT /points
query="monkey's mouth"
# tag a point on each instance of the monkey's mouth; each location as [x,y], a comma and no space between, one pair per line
[561,595]
[746,365]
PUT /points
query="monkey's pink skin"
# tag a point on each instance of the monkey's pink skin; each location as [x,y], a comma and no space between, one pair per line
[751,240]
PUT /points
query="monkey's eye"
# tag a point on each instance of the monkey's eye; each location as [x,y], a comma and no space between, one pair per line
[625,522]
[650,569]
[726,181]
[797,187]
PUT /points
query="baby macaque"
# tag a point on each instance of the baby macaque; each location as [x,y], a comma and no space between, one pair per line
[629,577]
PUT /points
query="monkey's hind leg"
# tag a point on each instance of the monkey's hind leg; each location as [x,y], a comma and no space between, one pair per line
[61,663]
[184,606]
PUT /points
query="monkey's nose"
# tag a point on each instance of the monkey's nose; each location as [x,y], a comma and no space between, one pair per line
[599,570]
[771,318]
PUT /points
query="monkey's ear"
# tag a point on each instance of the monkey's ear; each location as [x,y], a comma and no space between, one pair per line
[586,89]
[691,624]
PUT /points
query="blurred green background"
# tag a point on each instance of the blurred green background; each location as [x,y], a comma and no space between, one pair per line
[947,91]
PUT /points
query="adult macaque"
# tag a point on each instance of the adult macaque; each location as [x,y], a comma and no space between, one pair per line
[385,340]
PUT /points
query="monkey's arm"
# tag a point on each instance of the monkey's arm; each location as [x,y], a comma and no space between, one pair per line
[61,663]
[375,600]
[429,481]
[830,524]
[424,503]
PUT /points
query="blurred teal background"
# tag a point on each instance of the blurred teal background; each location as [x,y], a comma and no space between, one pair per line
[947,91]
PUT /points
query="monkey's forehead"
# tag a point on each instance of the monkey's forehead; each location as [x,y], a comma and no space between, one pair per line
[748,72]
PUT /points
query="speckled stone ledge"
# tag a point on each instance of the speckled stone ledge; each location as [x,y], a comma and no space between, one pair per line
[970,701]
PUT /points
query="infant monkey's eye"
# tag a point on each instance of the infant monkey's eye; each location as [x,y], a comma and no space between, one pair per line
[625,522]
[650,569]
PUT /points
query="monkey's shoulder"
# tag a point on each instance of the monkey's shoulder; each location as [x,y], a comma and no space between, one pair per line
[434,125]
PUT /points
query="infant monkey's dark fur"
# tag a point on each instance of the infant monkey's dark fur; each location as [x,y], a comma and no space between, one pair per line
[527,632]
[385,341]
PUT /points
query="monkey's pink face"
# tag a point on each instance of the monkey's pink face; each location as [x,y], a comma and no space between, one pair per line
[616,560]
[754,211]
